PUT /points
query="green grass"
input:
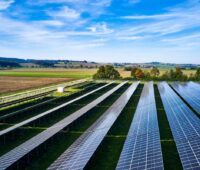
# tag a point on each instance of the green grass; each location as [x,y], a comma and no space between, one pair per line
[107,155]
[170,154]
[62,74]
[65,140]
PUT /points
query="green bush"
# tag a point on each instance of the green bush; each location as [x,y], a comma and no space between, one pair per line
[107,72]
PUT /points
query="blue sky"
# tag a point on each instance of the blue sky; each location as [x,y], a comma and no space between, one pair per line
[101,30]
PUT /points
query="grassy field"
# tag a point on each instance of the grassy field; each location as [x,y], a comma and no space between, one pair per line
[68,73]
[56,73]
[51,73]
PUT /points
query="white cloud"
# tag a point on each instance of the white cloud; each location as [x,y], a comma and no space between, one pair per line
[66,29]
[102,3]
[55,23]
[129,37]
[186,40]
[173,21]
[100,28]
[65,12]
[161,16]
[37,34]
[4,4]
[93,7]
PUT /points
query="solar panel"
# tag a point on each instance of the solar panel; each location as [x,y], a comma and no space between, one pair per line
[16,154]
[185,126]
[79,153]
[195,85]
[142,149]
[85,86]
[5,131]
[189,93]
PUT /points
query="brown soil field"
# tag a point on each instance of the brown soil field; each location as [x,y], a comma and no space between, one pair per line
[162,71]
[13,84]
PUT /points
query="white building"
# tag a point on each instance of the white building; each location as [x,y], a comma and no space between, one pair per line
[60,89]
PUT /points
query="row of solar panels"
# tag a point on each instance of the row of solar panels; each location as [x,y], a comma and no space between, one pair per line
[190,92]
[84,87]
[142,148]
[24,149]
[12,128]
[185,126]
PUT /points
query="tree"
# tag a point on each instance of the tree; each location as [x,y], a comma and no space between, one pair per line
[165,76]
[111,73]
[100,73]
[177,75]
[139,74]
[129,68]
[197,74]
[147,75]
[106,72]
[155,72]
[134,69]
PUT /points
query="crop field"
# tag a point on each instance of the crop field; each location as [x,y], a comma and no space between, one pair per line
[50,73]
[105,126]
[19,80]
[13,84]
[56,73]
[162,71]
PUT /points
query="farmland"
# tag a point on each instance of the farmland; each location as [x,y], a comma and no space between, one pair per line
[23,79]
[12,84]
[35,124]
[18,80]
[68,73]
[51,73]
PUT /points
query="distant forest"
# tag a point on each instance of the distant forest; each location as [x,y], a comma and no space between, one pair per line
[31,63]
[7,63]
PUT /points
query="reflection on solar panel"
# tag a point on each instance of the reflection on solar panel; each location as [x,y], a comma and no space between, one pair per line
[5,131]
[185,127]
[189,93]
[14,155]
[195,85]
[79,153]
[142,149]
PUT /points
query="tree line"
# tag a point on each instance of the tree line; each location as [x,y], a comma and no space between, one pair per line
[170,75]
[109,72]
